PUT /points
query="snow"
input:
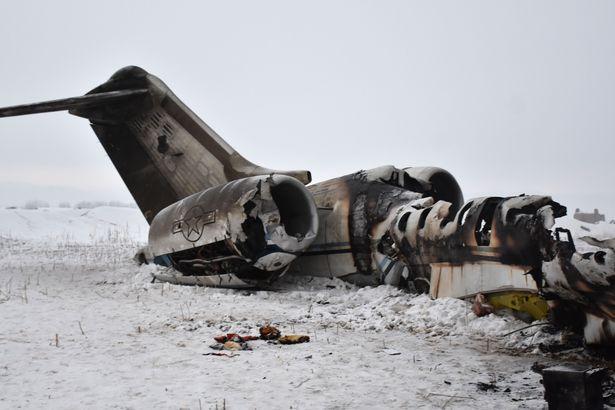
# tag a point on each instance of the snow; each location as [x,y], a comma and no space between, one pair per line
[578,229]
[73,225]
[124,342]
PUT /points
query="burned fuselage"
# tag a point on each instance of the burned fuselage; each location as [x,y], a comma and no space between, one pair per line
[410,228]
[217,219]
[391,226]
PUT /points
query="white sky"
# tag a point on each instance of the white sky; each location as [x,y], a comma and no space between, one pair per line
[509,96]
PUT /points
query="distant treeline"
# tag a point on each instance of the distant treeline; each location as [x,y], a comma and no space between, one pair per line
[37,204]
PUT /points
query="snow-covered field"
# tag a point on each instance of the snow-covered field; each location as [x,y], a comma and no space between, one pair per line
[82,326]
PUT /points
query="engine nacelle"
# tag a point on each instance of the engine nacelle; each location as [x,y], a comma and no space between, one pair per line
[251,228]
[439,184]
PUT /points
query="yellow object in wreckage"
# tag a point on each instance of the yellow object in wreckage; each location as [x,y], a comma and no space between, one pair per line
[527,302]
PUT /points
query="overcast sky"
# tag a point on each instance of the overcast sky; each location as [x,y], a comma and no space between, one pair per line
[509,96]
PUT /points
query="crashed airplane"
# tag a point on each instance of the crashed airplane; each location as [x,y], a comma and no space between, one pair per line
[217,219]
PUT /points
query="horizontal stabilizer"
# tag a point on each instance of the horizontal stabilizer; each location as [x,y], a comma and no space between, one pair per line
[87,100]
[162,150]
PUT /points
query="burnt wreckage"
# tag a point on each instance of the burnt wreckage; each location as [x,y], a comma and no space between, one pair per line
[217,219]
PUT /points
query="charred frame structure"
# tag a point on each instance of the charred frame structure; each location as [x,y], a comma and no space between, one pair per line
[217,219]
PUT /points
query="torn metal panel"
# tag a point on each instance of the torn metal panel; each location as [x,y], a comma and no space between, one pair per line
[587,281]
[468,279]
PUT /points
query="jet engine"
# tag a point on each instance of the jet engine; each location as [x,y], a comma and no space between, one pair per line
[437,183]
[236,234]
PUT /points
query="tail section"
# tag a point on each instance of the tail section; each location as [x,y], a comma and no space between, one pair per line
[162,150]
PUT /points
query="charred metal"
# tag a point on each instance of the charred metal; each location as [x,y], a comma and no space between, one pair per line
[217,219]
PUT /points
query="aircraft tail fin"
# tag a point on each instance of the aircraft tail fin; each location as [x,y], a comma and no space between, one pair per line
[162,150]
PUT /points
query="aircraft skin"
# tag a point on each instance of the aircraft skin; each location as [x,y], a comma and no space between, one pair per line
[217,219]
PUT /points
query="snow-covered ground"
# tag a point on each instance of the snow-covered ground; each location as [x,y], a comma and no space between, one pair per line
[82,326]
[68,225]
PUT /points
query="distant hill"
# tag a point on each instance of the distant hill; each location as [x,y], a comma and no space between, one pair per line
[73,225]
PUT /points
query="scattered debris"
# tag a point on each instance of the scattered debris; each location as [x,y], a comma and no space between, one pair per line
[230,345]
[568,342]
[269,333]
[220,354]
[450,398]
[236,342]
[301,383]
[234,337]
[391,352]
[480,307]
[525,327]
[491,386]
[573,387]
[525,306]
[293,339]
